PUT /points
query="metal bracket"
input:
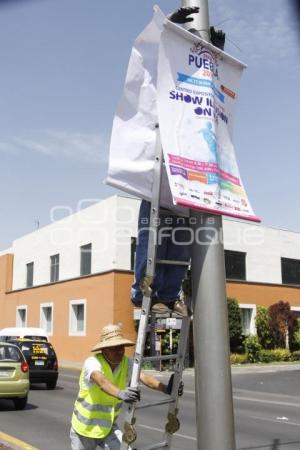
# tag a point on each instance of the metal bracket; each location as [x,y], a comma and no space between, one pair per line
[173,423]
[130,433]
[187,285]
[145,286]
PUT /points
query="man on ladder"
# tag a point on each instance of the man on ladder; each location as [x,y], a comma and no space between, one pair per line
[103,387]
[158,270]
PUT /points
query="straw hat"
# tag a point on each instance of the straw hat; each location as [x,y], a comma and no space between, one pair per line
[112,336]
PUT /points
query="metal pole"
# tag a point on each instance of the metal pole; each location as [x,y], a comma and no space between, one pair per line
[214,406]
[213,388]
[201,20]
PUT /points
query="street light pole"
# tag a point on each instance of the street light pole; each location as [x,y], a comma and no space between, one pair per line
[213,388]
[201,20]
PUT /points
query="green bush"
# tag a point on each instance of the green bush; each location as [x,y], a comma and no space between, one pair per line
[235,325]
[166,342]
[252,348]
[264,333]
[147,365]
[238,358]
[281,354]
[277,354]
[266,356]
[295,338]
[295,356]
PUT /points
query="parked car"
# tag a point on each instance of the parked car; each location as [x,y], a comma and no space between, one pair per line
[42,361]
[6,334]
[14,375]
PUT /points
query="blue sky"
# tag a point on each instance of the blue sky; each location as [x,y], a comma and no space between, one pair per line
[63,64]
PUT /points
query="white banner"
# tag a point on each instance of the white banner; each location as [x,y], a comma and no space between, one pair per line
[195,118]
[132,147]
[197,90]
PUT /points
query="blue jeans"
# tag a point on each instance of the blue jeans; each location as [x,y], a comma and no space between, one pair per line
[173,243]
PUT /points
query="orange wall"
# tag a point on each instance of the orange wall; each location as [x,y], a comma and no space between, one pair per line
[6,268]
[263,294]
[107,301]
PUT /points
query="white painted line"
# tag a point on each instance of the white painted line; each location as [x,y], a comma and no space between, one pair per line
[184,436]
[271,402]
[257,400]
[267,419]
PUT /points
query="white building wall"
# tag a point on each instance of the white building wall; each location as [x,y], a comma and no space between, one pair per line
[109,226]
[126,228]
[264,248]
[97,224]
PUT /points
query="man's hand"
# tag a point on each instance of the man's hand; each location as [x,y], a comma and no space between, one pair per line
[168,388]
[217,38]
[130,395]
[180,15]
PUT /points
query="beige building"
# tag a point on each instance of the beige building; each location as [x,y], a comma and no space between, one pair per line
[74,275]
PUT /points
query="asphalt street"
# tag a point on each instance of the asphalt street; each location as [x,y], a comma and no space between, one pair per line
[267,412]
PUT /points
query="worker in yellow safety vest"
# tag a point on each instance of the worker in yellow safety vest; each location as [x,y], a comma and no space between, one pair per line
[102,390]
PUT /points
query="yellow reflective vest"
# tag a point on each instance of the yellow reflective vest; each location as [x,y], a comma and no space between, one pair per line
[95,411]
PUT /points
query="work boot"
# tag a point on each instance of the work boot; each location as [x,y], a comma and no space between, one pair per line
[160,308]
[180,308]
[136,303]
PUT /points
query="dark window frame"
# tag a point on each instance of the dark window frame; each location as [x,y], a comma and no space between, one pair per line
[132,252]
[29,274]
[22,316]
[54,268]
[287,275]
[235,265]
[85,259]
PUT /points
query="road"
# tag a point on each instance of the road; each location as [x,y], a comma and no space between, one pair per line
[267,413]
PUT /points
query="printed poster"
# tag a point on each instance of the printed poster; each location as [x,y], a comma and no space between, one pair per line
[133,138]
[197,89]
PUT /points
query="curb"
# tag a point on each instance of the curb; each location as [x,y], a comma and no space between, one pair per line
[14,443]
[235,368]
[264,368]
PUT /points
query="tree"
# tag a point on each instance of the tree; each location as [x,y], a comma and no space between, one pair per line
[264,333]
[282,321]
[295,336]
[235,325]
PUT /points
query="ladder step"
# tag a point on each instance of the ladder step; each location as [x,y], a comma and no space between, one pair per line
[159,445]
[149,405]
[160,358]
[172,262]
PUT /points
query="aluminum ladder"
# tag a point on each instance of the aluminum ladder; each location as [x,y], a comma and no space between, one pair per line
[172,423]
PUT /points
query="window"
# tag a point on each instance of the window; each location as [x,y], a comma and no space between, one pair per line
[77,318]
[21,316]
[248,314]
[29,274]
[132,253]
[235,265]
[85,259]
[54,268]
[46,318]
[290,271]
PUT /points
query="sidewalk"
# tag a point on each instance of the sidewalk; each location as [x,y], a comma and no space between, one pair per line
[264,368]
[241,368]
